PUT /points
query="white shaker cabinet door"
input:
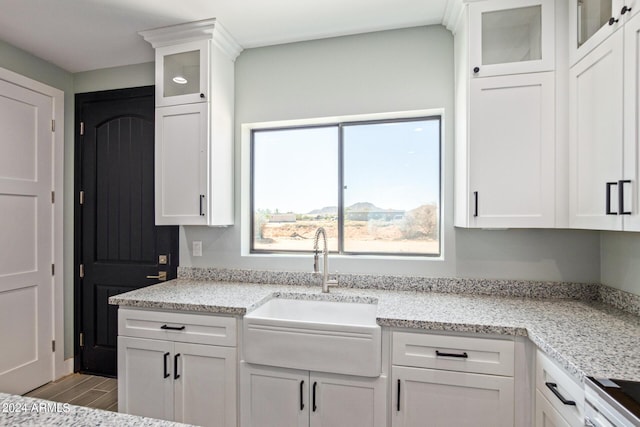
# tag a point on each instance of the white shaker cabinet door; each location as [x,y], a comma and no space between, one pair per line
[205,385]
[145,377]
[274,397]
[342,401]
[595,137]
[433,398]
[546,414]
[181,163]
[631,189]
[512,151]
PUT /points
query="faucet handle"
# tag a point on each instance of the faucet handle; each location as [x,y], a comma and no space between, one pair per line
[332,282]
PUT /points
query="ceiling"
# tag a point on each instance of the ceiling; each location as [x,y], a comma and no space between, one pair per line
[82,35]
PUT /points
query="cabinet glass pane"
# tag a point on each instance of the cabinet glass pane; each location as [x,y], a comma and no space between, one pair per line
[512,35]
[592,15]
[182,73]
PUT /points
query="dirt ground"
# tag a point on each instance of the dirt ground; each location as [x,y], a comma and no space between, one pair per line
[360,236]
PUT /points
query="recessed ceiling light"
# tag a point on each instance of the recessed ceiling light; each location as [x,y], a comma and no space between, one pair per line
[416,129]
[180,80]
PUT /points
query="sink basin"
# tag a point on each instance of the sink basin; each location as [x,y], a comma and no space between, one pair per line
[324,336]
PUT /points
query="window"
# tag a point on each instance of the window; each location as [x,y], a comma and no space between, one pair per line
[374,186]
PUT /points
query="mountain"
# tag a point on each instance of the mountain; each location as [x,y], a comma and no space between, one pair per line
[368,207]
[356,207]
[327,210]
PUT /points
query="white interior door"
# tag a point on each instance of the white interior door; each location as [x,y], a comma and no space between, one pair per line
[26,285]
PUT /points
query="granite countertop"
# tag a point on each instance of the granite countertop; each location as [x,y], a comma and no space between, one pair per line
[586,338]
[28,411]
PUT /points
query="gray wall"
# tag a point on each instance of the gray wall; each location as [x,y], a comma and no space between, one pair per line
[115,78]
[382,72]
[620,260]
[35,68]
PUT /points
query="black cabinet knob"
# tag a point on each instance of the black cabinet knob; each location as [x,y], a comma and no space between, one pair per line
[612,20]
[625,9]
[476,70]
[202,95]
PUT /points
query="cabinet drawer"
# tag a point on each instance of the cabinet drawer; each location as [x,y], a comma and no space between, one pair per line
[547,372]
[189,328]
[479,355]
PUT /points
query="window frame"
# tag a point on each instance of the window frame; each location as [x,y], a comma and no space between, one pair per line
[340,123]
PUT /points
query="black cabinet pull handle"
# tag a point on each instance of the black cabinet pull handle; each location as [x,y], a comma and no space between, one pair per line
[621,184]
[554,389]
[173,328]
[608,210]
[302,395]
[166,363]
[202,95]
[625,9]
[398,398]
[476,70]
[475,203]
[612,20]
[202,205]
[458,355]
[313,405]
[176,375]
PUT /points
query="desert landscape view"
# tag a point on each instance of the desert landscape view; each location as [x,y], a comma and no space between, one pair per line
[367,229]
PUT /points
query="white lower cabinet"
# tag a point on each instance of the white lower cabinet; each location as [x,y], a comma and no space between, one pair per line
[442,381]
[429,397]
[559,399]
[177,381]
[547,415]
[276,397]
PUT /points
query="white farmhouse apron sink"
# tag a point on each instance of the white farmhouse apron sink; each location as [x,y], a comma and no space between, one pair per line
[323,336]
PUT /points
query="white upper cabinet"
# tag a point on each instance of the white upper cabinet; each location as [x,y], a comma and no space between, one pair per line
[511,37]
[631,149]
[593,21]
[182,73]
[194,123]
[505,85]
[604,136]
[511,151]
[595,136]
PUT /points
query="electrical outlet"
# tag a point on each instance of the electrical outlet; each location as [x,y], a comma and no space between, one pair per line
[197,248]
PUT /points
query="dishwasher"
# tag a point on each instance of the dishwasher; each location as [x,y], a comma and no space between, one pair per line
[611,403]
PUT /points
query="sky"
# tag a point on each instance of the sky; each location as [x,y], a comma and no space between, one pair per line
[392,165]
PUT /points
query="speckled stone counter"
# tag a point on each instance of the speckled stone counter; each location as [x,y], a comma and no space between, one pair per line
[585,337]
[27,411]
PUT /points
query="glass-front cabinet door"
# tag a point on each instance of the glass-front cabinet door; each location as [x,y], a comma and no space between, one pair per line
[182,71]
[511,37]
[593,21]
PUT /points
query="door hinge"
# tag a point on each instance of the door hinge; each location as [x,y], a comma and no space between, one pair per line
[81,271]
[53,125]
[82,198]
[53,269]
[53,197]
[81,128]
[81,339]
[53,346]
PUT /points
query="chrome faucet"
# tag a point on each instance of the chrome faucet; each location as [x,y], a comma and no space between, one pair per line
[325,260]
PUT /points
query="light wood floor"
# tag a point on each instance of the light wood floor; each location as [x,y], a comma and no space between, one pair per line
[81,390]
